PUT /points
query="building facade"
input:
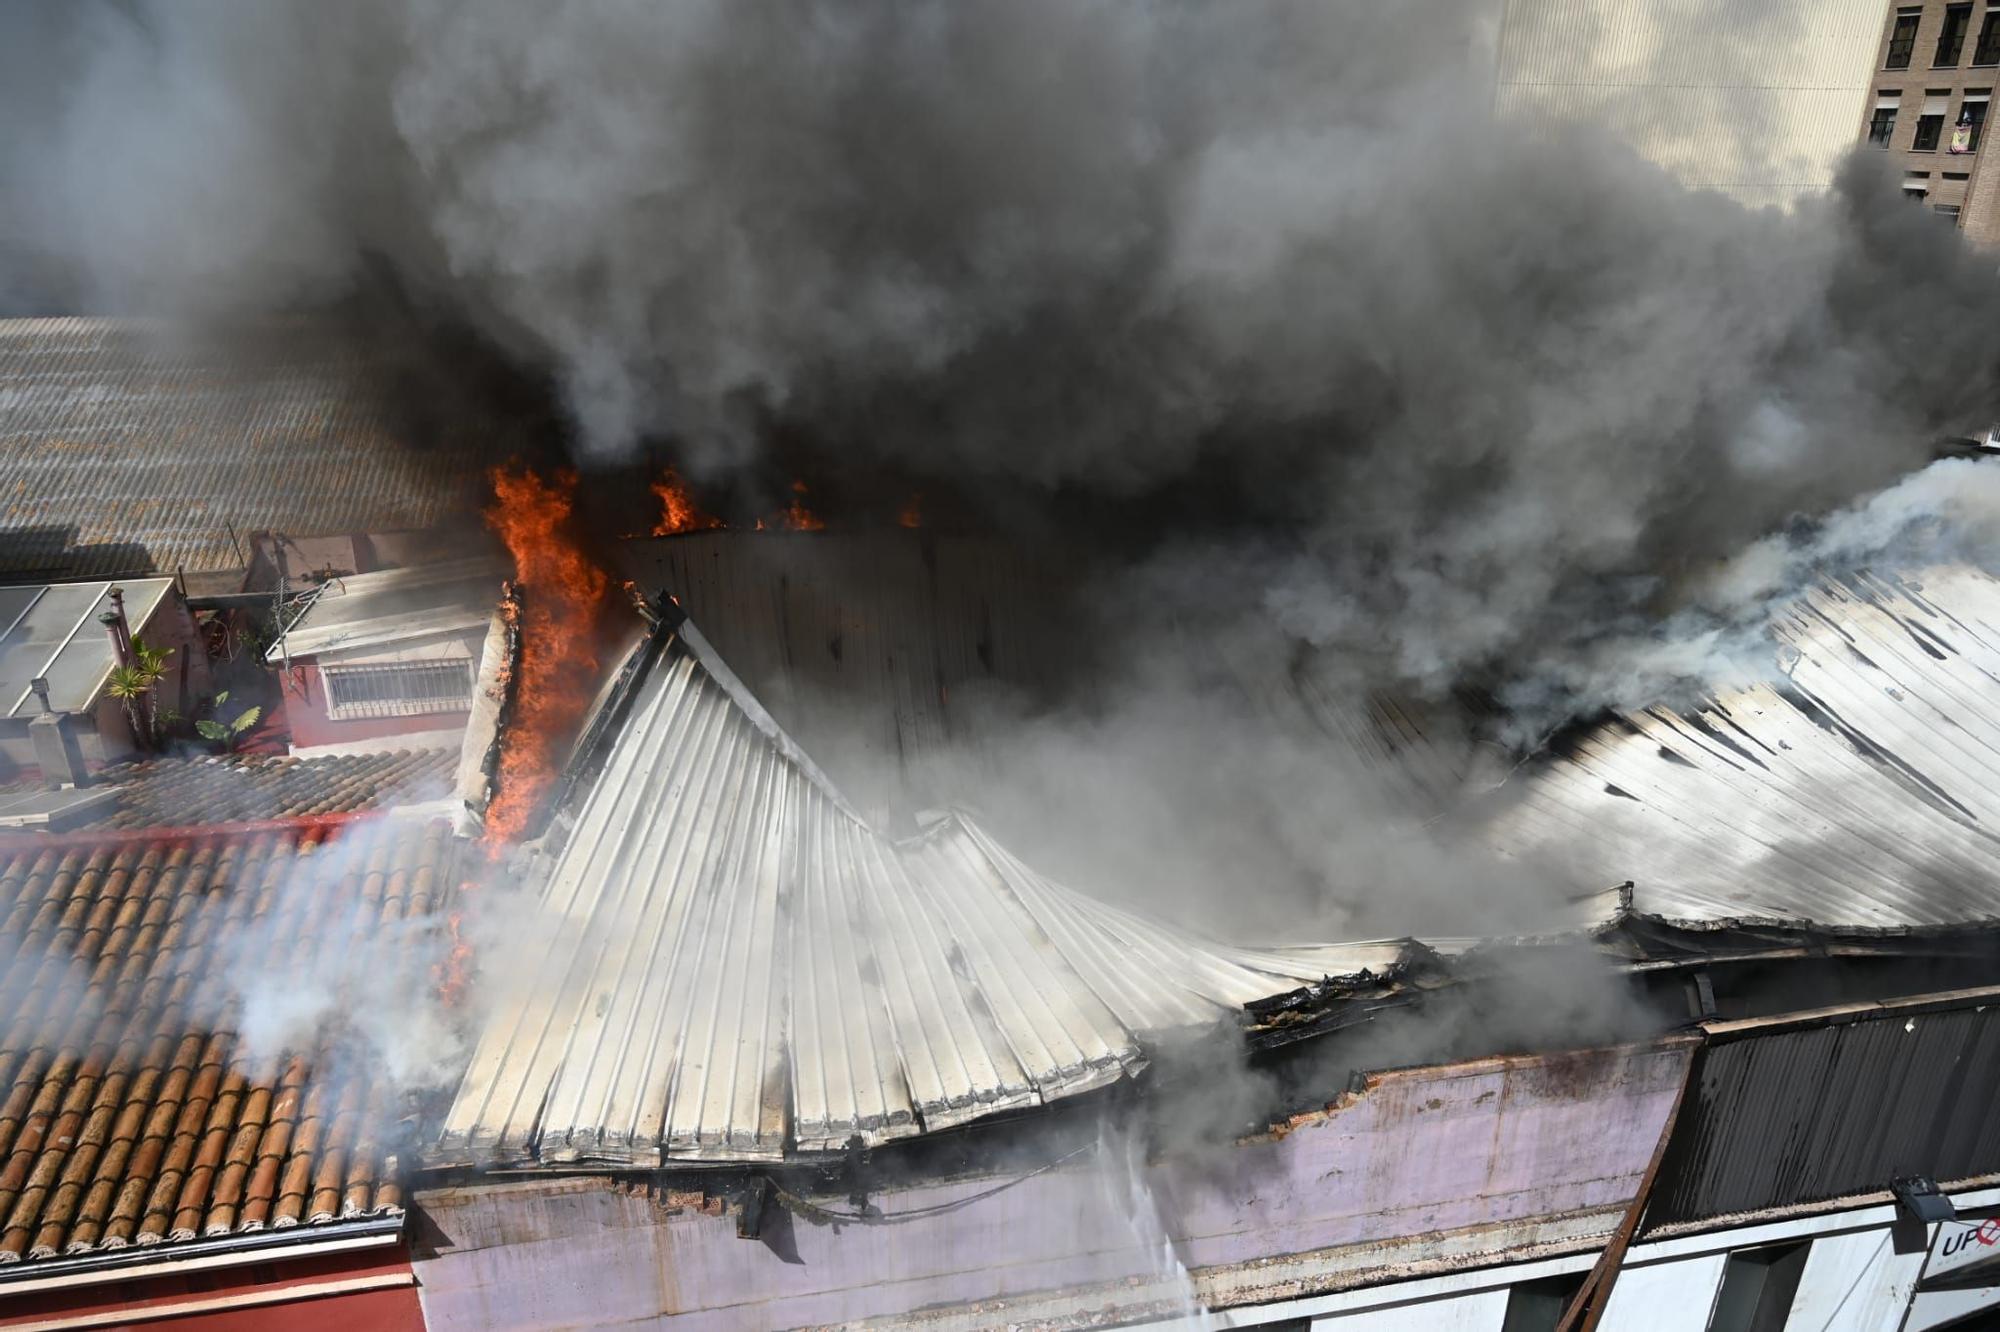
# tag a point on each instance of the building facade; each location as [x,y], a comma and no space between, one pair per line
[1935,69]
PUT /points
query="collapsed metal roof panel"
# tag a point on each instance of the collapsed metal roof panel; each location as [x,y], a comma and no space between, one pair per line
[1859,789]
[731,965]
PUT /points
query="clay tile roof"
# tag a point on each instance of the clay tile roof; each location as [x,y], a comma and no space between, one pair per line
[250,788]
[132,1108]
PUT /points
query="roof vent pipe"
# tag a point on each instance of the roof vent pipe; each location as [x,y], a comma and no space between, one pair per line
[115,626]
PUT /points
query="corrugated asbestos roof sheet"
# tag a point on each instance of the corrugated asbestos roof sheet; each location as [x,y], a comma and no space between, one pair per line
[133,1114]
[394,606]
[1861,789]
[125,448]
[1833,1109]
[243,788]
[738,967]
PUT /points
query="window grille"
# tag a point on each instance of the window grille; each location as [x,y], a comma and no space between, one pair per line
[400,689]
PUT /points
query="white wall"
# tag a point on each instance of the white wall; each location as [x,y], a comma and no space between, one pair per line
[1665,1297]
[1853,1281]
[1480,1312]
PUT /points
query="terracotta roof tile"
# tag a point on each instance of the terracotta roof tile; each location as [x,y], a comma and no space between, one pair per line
[130,1110]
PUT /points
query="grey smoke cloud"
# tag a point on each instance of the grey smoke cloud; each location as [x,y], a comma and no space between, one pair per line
[1473,381]
[1474,397]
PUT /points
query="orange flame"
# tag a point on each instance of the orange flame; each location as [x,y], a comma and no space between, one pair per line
[453,973]
[797,517]
[562,596]
[678,510]
[913,512]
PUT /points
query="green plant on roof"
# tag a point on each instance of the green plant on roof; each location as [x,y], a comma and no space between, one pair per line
[136,687]
[227,733]
[151,663]
[129,686]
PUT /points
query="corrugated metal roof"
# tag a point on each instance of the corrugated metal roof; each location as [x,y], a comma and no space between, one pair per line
[51,631]
[1861,789]
[125,448]
[738,967]
[394,606]
[875,649]
[1835,1108]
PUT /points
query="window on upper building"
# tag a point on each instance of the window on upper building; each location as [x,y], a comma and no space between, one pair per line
[1971,120]
[1903,38]
[1951,37]
[1949,212]
[1987,52]
[398,689]
[1882,125]
[1930,122]
[1916,184]
[1537,1306]
[1757,1288]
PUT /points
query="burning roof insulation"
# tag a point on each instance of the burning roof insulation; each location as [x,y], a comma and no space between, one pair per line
[735,966]
[1859,789]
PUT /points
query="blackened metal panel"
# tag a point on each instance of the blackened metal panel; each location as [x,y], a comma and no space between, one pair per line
[1812,1114]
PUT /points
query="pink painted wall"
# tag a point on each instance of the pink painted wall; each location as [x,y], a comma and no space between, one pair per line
[305,711]
[1421,1151]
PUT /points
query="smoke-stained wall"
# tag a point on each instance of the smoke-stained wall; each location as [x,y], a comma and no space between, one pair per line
[1759,102]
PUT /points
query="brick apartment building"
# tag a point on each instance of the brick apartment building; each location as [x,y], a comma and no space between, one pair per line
[1934,77]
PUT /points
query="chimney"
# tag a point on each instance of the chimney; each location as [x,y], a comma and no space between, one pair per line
[53,735]
[114,624]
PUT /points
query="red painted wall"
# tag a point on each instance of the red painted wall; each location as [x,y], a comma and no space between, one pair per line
[249,1298]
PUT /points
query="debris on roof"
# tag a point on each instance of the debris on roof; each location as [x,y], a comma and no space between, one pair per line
[133,1113]
[1859,789]
[129,449]
[50,631]
[737,965]
[170,792]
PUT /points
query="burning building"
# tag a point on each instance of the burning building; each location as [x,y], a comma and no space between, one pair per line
[661,947]
[745,1049]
